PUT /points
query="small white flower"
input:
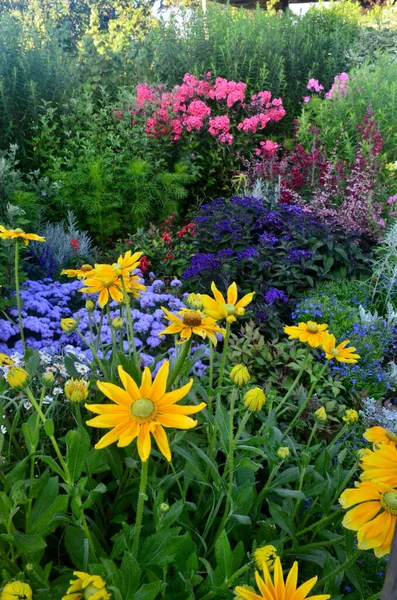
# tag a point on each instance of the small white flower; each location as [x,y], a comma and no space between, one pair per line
[3,429]
[57,390]
[82,369]
[48,399]
[27,405]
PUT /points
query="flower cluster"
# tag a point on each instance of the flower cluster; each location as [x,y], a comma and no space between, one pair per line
[316,335]
[195,106]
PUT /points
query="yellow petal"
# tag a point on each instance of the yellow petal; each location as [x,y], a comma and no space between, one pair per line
[245,300]
[361,514]
[292,580]
[159,385]
[111,436]
[106,420]
[129,435]
[374,533]
[162,441]
[146,383]
[172,397]
[103,297]
[115,393]
[217,295]
[232,294]
[129,384]
[144,442]
[305,588]
[177,421]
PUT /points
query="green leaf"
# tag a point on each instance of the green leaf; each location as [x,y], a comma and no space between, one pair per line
[49,427]
[164,548]
[29,543]
[130,575]
[286,493]
[224,555]
[148,591]
[48,510]
[281,518]
[78,445]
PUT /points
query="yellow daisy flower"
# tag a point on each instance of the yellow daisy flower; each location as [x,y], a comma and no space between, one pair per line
[19,234]
[16,590]
[376,435]
[280,590]
[265,554]
[5,360]
[220,308]
[350,416]
[188,322]
[127,263]
[380,466]
[312,333]
[104,281]
[141,411]
[76,390]
[374,515]
[87,587]
[340,352]
[81,273]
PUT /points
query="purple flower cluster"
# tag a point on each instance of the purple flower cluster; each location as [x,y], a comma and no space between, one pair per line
[273,294]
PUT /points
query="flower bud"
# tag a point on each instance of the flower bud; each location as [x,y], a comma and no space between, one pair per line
[68,325]
[164,507]
[320,415]
[350,416]
[254,399]
[265,554]
[239,375]
[117,323]
[77,390]
[86,268]
[194,301]
[17,378]
[5,360]
[48,379]
[283,452]
[90,306]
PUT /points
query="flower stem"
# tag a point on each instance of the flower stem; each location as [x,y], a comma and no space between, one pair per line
[94,352]
[228,582]
[295,382]
[139,512]
[306,401]
[179,363]
[18,296]
[130,325]
[224,354]
[340,569]
[338,436]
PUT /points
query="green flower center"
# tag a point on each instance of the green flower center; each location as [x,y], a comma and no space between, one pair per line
[192,318]
[312,328]
[392,436]
[389,502]
[334,352]
[230,309]
[143,408]
[90,591]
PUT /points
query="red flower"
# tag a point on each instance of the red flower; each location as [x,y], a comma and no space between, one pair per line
[166,238]
[74,243]
[144,264]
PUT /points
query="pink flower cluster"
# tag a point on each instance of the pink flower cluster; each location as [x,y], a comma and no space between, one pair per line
[338,87]
[314,84]
[268,149]
[205,105]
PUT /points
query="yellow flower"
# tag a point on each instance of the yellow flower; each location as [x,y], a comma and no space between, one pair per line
[81,273]
[312,333]
[283,452]
[194,301]
[219,309]
[17,378]
[19,234]
[187,321]
[374,515]
[376,435]
[350,416]
[391,166]
[104,280]
[76,390]
[48,379]
[87,587]
[380,466]
[321,415]
[254,399]
[141,411]
[265,554]
[127,263]
[239,375]
[340,352]
[280,590]
[16,590]
[5,360]
[90,306]
[68,325]
[117,323]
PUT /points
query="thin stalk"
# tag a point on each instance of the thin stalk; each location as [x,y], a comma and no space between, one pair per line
[344,482]
[177,481]
[139,511]
[263,491]
[18,295]
[338,436]
[313,431]
[185,350]
[306,401]
[224,354]
[339,569]
[211,377]
[228,582]
[94,352]
[298,501]
[295,383]
[68,479]
[34,448]
[130,325]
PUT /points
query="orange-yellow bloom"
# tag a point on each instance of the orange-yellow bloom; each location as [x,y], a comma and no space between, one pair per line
[87,586]
[312,333]
[380,466]
[278,589]
[220,308]
[188,322]
[81,273]
[19,234]
[379,435]
[127,263]
[374,515]
[340,352]
[16,590]
[142,411]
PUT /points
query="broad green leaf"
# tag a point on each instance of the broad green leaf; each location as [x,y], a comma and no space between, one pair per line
[29,543]
[78,445]
[148,591]
[224,555]
[281,518]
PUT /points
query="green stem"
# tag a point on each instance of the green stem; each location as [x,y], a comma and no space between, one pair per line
[85,528]
[263,491]
[94,352]
[177,481]
[298,501]
[318,523]
[313,431]
[211,377]
[344,482]
[18,295]
[228,582]
[306,401]
[339,570]
[241,428]
[130,325]
[224,354]
[34,448]
[338,436]
[68,479]
[295,382]
[139,511]
[179,363]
